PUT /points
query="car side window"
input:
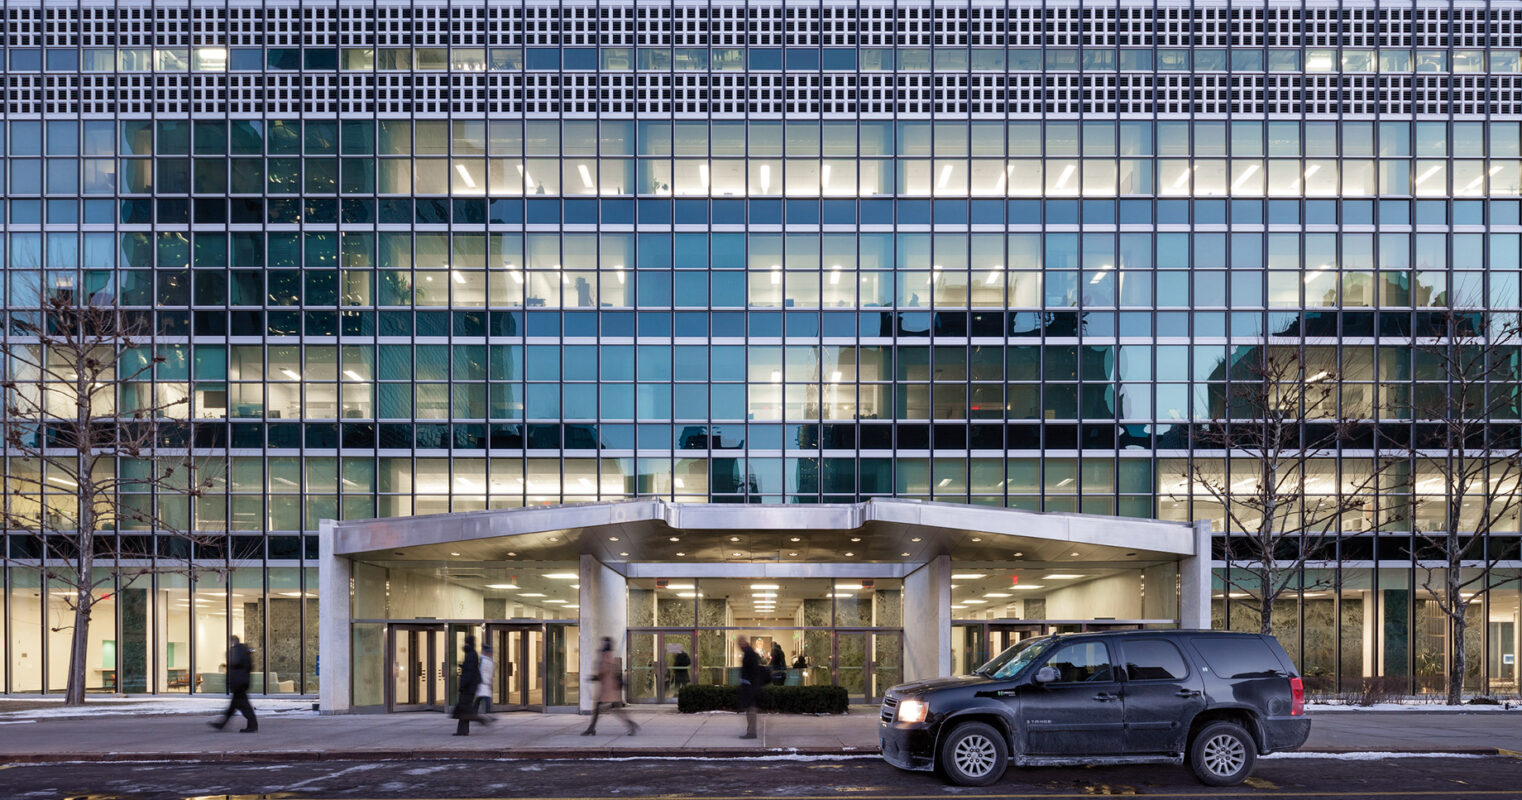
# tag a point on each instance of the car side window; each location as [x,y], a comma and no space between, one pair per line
[1153,660]
[1082,662]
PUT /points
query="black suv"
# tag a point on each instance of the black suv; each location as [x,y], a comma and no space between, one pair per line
[1212,698]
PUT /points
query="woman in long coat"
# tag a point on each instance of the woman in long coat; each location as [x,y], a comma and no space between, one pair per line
[470,680]
[610,689]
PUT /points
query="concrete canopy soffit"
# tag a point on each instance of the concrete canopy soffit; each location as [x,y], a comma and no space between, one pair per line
[880,530]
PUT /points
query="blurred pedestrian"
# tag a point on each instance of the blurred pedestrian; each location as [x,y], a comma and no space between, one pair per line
[610,689]
[488,672]
[240,670]
[778,664]
[752,677]
[470,681]
[681,669]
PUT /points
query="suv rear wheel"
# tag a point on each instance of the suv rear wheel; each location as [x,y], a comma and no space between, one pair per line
[974,754]
[1223,754]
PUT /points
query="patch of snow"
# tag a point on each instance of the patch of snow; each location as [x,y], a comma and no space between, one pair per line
[211,704]
[1367,756]
[1423,707]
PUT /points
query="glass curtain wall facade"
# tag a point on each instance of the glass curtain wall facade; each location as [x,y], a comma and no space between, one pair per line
[418,259]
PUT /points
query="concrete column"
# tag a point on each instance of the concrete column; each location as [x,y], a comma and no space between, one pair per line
[927,620]
[1194,581]
[604,600]
[333,624]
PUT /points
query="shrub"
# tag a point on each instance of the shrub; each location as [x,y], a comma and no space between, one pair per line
[781,699]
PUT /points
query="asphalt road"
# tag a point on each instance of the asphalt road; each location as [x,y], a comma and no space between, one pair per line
[860,779]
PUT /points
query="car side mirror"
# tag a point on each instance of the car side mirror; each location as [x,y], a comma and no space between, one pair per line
[1045,675]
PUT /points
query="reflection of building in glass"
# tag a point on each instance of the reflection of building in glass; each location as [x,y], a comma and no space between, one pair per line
[408,261]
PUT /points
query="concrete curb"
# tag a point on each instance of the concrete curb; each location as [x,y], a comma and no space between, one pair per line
[559,754]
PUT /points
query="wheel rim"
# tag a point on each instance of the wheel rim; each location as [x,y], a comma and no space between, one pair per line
[1224,755]
[975,755]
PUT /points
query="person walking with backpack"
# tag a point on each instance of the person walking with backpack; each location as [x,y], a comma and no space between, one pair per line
[240,670]
[610,689]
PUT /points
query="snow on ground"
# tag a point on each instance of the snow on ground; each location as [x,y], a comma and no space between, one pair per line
[151,706]
[1317,708]
[1366,756]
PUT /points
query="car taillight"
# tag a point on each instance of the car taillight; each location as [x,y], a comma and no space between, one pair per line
[1296,697]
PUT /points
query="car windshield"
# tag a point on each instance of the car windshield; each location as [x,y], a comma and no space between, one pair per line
[1009,663]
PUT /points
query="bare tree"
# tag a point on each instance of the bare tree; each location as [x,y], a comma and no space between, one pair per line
[91,453]
[1279,413]
[1469,469]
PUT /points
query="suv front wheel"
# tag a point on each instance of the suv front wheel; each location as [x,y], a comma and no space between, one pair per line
[1223,754]
[974,754]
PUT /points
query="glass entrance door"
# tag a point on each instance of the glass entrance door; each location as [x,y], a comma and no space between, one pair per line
[519,681]
[660,664]
[415,661]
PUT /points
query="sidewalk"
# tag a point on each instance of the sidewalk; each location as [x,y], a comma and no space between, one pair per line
[288,735]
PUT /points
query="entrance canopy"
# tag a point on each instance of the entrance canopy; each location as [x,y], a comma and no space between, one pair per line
[894,565]
[880,531]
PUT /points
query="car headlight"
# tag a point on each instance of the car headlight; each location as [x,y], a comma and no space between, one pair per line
[912,710]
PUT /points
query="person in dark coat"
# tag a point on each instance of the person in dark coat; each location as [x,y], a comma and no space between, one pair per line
[240,670]
[470,680]
[681,669]
[778,664]
[752,677]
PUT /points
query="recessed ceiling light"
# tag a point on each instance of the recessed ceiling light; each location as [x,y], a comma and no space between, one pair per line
[855,538]
[734,538]
[849,554]
[573,605]
[676,538]
[612,538]
[975,602]
[853,587]
[512,555]
[554,538]
[996,594]
[625,555]
[562,576]
[737,555]
[1026,587]
[1060,577]
[792,555]
[511,587]
[765,586]
[531,594]
[915,539]
[977,538]
[1074,554]
[454,554]
[905,555]
[842,594]
[771,595]
[795,539]
[968,576]
[681,586]
[1017,555]
[681,554]
[555,602]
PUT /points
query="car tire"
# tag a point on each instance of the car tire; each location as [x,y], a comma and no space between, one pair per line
[973,754]
[1222,754]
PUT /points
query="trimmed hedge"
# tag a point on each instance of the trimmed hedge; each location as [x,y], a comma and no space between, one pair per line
[782,699]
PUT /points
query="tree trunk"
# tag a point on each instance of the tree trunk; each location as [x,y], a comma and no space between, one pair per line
[1457,665]
[1265,605]
[79,648]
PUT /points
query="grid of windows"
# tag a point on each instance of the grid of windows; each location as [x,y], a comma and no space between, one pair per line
[414,259]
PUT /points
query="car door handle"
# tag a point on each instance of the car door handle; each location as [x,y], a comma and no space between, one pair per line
[1105,697]
[1187,693]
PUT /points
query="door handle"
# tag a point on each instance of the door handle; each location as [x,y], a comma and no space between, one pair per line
[1105,697]
[1187,693]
